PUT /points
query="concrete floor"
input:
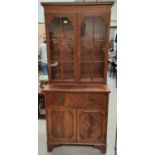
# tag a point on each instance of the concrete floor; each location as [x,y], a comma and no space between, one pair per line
[84,150]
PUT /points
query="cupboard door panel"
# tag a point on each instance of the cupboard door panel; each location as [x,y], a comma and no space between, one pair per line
[91,126]
[62,124]
[92,47]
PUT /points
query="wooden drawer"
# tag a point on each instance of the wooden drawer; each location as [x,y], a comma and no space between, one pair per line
[77,100]
[61,99]
[92,100]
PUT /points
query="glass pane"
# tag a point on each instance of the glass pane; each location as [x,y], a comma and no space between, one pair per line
[54,28]
[68,70]
[86,50]
[55,50]
[61,33]
[67,28]
[92,49]
[98,69]
[99,51]
[99,29]
[67,39]
[86,70]
[87,29]
[68,50]
[56,71]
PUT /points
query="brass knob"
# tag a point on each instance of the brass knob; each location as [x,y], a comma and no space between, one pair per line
[88,124]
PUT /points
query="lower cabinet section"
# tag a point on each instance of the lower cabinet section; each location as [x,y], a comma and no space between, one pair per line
[76,123]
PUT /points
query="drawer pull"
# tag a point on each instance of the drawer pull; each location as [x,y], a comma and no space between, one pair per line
[88,124]
[61,99]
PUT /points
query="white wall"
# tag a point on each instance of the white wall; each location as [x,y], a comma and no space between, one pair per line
[114,14]
[41,14]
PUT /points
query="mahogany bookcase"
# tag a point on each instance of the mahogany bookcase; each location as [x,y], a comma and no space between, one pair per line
[77,94]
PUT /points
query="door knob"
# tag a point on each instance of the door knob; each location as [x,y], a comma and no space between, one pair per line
[88,124]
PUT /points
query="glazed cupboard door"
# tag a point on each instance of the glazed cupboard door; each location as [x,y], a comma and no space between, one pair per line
[61,41]
[93,46]
[91,125]
[61,124]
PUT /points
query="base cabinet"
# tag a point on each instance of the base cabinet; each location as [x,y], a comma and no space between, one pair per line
[69,121]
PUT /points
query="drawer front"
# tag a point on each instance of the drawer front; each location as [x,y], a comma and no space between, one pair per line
[61,99]
[77,100]
[92,100]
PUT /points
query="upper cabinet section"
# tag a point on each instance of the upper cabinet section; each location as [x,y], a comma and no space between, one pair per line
[77,42]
